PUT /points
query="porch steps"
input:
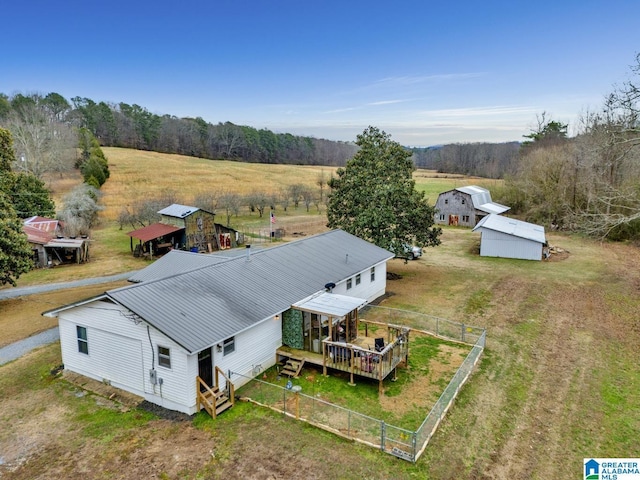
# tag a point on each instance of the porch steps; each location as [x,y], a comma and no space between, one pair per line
[293,367]
[214,399]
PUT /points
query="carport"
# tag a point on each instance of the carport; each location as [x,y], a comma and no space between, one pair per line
[157,238]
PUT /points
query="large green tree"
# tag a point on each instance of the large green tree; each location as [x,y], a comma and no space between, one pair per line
[374,196]
[15,254]
[30,197]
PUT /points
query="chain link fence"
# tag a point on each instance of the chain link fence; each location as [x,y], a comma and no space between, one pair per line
[281,230]
[402,443]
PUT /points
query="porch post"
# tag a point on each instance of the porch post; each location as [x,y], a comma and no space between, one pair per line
[353,362]
[324,358]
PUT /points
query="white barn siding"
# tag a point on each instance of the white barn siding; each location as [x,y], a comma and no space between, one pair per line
[498,244]
[254,347]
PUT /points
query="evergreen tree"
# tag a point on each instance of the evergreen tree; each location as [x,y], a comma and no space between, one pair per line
[92,162]
[374,196]
[30,197]
[15,254]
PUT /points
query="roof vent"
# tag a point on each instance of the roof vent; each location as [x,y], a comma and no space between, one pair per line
[248,250]
[330,286]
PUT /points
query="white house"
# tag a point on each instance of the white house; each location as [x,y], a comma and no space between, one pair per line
[191,318]
[509,238]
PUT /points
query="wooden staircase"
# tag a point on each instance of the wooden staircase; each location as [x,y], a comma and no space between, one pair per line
[293,367]
[212,399]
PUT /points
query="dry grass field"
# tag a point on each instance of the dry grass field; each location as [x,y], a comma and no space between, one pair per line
[559,381]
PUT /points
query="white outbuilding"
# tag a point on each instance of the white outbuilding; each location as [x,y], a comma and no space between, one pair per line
[510,238]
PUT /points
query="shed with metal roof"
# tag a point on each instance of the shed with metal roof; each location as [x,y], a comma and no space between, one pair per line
[510,238]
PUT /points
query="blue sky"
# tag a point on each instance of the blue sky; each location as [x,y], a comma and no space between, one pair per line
[427,72]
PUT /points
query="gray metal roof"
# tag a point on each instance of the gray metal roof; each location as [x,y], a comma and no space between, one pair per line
[205,306]
[481,199]
[174,262]
[177,210]
[511,226]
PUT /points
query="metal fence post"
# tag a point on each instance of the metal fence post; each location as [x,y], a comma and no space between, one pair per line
[414,440]
[383,434]
[463,329]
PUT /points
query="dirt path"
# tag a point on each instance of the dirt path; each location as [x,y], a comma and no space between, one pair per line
[560,359]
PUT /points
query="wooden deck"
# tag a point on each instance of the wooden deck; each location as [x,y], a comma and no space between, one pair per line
[358,358]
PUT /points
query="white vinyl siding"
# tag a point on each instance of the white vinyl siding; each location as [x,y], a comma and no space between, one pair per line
[255,351]
[367,290]
[123,356]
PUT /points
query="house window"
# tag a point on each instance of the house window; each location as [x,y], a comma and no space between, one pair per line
[229,346]
[465,218]
[463,201]
[83,343]
[358,279]
[349,284]
[373,274]
[446,201]
[164,357]
[442,217]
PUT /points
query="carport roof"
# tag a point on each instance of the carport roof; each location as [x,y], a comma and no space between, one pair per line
[154,230]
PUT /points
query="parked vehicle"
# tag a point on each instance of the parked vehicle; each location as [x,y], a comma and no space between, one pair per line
[409,252]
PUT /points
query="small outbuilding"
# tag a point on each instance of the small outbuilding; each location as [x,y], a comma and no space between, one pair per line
[186,228]
[50,247]
[465,206]
[510,238]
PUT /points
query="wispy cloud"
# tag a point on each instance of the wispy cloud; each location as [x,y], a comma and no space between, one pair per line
[341,110]
[386,102]
[481,111]
[413,79]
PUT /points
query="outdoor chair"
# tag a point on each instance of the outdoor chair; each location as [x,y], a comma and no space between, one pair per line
[379,343]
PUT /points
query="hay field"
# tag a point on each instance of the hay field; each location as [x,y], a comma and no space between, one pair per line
[137,175]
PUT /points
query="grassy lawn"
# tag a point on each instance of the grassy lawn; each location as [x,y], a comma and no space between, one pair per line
[405,401]
[558,381]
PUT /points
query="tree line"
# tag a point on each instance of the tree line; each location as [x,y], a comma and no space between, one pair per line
[133,126]
[489,160]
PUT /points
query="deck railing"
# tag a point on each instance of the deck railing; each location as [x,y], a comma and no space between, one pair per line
[402,443]
[361,361]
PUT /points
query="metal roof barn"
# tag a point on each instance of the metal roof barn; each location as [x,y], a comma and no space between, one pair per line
[510,238]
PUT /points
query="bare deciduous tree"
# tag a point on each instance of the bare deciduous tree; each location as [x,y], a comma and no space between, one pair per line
[42,143]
